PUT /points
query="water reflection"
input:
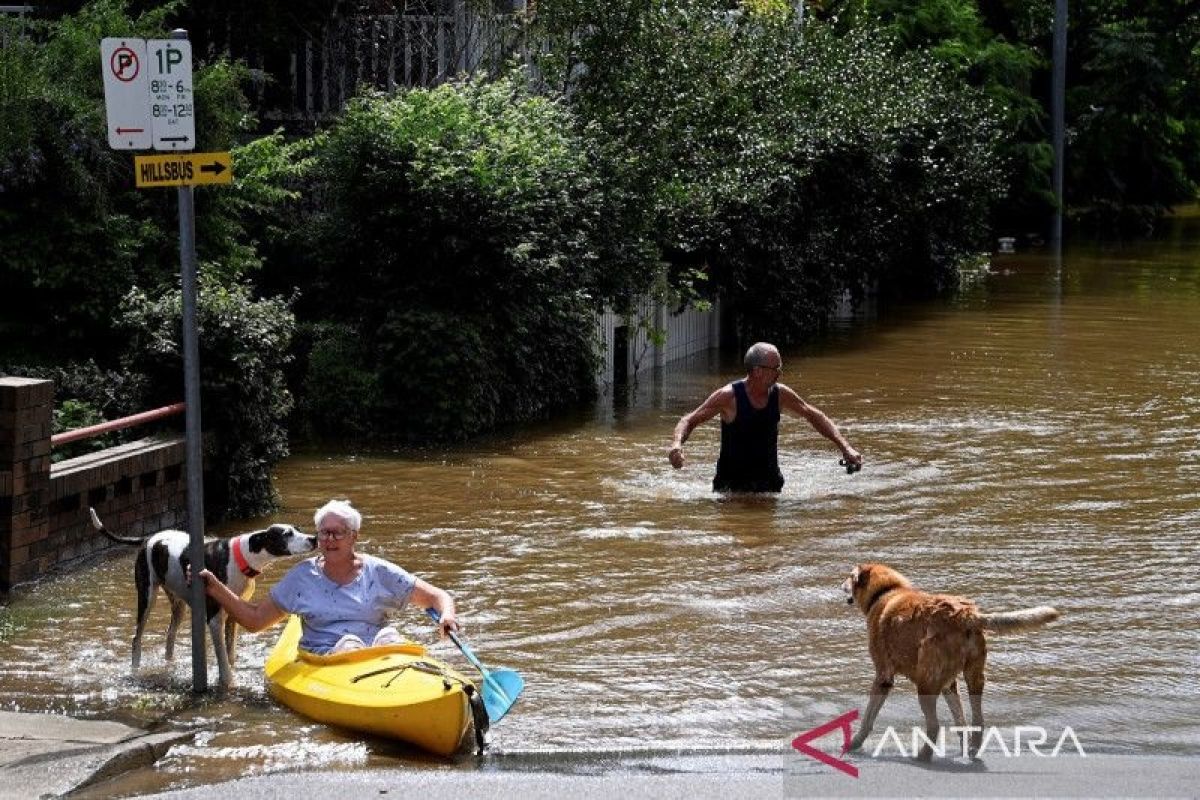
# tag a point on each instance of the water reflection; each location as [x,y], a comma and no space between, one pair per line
[1032,441]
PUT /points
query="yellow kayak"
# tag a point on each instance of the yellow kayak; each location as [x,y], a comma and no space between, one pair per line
[396,691]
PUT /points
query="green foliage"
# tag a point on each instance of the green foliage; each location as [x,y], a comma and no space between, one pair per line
[246,219]
[244,349]
[72,241]
[76,236]
[793,163]
[86,394]
[992,46]
[73,414]
[74,231]
[340,393]
[1133,93]
[1135,116]
[457,236]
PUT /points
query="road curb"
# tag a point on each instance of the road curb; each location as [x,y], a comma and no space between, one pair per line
[49,755]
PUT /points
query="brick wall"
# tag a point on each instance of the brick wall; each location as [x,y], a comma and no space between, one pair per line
[137,488]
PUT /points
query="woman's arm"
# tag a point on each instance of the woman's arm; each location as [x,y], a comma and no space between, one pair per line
[426,595]
[251,616]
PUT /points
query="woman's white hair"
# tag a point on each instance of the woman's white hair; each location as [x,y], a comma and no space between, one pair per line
[342,510]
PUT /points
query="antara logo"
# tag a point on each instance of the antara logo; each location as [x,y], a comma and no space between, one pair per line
[801,742]
[1031,738]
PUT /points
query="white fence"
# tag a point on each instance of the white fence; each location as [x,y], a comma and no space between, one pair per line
[628,350]
[390,50]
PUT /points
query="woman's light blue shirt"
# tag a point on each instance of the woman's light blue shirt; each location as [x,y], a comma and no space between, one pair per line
[330,611]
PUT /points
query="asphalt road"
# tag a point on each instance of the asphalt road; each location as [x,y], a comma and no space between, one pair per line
[787,775]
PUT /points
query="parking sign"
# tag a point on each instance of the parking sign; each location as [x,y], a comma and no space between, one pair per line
[172,111]
[126,88]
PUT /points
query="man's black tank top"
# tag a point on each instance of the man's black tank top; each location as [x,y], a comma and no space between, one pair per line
[749,460]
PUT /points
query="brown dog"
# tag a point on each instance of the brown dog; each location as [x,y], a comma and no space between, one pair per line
[929,639]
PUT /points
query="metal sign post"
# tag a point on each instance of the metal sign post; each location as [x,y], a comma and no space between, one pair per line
[174,129]
[148,97]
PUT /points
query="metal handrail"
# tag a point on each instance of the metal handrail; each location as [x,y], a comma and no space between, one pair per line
[91,431]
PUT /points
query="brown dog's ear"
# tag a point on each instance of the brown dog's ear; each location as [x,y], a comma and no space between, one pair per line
[862,574]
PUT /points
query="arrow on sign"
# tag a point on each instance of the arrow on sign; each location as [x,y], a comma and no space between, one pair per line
[130,130]
[216,168]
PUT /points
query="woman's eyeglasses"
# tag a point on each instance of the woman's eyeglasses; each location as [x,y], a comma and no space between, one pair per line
[336,535]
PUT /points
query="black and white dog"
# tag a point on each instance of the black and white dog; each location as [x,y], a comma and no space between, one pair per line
[163,561]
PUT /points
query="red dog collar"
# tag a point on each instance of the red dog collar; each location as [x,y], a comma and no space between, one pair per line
[240,560]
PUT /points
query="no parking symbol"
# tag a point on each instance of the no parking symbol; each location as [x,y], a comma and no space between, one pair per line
[126,93]
[125,64]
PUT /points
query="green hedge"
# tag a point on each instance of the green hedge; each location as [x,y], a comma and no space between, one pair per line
[453,256]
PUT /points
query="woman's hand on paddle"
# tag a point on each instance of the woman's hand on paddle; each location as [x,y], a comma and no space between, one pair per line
[447,624]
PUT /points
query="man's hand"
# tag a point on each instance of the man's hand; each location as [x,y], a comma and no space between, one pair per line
[676,456]
[852,456]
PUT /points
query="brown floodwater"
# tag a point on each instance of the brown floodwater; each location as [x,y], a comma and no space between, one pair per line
[1033,440]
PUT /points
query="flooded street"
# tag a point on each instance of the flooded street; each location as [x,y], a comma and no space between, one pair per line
[1033,441]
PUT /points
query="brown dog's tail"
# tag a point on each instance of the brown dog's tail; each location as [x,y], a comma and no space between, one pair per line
[98,525]
[1026,619]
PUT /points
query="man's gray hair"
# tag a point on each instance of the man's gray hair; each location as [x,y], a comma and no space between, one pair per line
[759,354]
[342,510]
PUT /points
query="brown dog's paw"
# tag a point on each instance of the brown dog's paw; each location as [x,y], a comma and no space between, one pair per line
[976,745]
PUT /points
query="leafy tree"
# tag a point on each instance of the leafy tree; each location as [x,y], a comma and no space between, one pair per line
[791,163]
[244,349]
[75,232]
[1132,68]
[456,237]
[76,236]
[994,45]
[1134,95]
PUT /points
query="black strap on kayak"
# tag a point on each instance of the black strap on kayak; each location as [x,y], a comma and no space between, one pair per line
[427,668]
[478,714]
[420,666]
[374,672]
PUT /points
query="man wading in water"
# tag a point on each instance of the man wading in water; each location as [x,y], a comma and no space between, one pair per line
[749,410]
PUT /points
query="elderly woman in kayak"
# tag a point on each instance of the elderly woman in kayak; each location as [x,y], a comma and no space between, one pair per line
[342,597]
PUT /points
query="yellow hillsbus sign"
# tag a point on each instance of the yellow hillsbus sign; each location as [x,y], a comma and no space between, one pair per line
[182,169]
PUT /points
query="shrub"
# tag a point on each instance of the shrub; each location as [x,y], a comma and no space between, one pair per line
[244,346]
[794,162]
[457,237]
[74,232]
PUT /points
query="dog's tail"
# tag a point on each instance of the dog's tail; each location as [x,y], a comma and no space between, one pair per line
[98,525]
[1026,619]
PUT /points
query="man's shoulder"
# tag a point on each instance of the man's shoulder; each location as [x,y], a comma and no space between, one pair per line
[790,399]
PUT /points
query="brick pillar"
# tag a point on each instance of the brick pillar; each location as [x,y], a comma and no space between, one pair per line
[26,413]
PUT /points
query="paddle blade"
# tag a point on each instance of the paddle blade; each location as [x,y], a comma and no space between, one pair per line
[501,688]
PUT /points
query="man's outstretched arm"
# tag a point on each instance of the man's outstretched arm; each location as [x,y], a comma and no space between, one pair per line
[717,402]
[821,423]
